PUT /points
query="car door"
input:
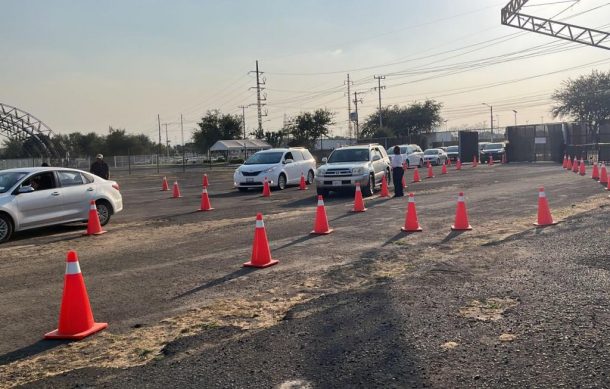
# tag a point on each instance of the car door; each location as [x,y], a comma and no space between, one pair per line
[291,169]
[77,193]
[379,165]
[43,206]
[299,167]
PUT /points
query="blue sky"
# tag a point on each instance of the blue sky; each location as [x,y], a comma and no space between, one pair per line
[87,65]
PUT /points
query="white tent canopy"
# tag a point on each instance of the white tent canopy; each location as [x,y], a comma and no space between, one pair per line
[240,145]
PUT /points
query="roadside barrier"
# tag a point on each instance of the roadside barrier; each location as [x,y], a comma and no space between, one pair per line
[176,191]
[302,185]
[205,200]
[93,224]
[261,254]
[385,191]
[416,177]
[164,185]
[544,213]
[411,222]
[461,216]
[321,223]
[75,315]
[266,189]
[358,200]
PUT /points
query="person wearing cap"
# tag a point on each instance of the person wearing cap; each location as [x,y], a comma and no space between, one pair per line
[99,167]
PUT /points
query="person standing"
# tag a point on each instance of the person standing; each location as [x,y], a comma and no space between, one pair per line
[99,167]
[397,172]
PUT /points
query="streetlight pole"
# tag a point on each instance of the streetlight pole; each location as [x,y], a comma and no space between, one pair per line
[491,120]
[515,117]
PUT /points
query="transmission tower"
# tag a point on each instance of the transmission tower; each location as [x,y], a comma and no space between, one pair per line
[511,16]
[259,100]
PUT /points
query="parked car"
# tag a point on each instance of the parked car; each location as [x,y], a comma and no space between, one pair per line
[282,167]
[493,150]
[411,154]
[346,166]
[435,156]
[45,196]
[453,152]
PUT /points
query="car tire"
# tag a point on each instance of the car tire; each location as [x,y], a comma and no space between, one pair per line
[370,188]
[322,192]
[310,177]
[281,182]
[242,189]
[6,228]
[104,211]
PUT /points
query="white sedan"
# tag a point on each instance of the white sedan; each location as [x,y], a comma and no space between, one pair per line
[45,196]
[435,156]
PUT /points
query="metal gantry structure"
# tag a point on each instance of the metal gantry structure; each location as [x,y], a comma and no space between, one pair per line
[25,127]
[511,16]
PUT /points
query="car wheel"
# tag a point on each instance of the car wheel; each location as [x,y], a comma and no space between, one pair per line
[281,182]
[104,211]
[310,177]
[322,192]
[6,228]
[242,189]
[370,188]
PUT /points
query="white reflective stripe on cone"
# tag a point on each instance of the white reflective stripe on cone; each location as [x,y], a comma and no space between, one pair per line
[541,194]
[204,190]
[260,224]
[92,207]
[460,199]
[411,199]
[72,268]
[320,203]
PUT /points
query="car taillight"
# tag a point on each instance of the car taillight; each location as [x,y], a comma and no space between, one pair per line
[116,186]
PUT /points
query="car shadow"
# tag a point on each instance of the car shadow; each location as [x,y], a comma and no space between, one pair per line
[49,232]
[31,350]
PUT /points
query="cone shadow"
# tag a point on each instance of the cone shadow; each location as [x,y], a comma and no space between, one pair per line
[297,241]
[452,235]
[31,350]
[219,281]
[397,237]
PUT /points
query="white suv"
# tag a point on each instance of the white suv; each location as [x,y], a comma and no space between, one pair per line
[346,166]
[282,167]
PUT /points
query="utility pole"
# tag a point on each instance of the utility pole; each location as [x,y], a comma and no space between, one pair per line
[379,88]
[243,124]
[183,151]
[356,100]
[159,145]
[349,108]
[515,117]
[166,140]
[492,120]
[259,99]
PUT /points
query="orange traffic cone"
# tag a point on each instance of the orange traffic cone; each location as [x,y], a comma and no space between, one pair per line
[176,191]
[608,187]
[385,192]
[416,177]
[404,181]
[544,213]
[569,164]
[205,200]
[205,182]
[261,255]
[603,175]
[411,222]
[164,185]
[448,162]
[504,158]
[475,162]
[575,166]
[565,161]
[458,164]
[583,169]
[93,224]
[461,216]
[444,169]
[490,160]
[321,223]
[266,190]
[358,200]
[430,171]
[302,185]
[75,316]
[595,172]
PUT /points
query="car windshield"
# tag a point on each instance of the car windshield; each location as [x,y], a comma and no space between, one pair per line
[264,158]
[431,152]
[452,149]
[493,146]
[349,155]
[8,180]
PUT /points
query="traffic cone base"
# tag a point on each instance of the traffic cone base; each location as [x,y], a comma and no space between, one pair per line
[95,328]
[418,229]
[314,232]
[270,263]
[454,228]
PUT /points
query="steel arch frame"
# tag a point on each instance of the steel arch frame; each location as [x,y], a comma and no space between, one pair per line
[21,125]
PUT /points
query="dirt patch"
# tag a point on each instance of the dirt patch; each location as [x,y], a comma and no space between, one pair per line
[488,310]
[449,345]
[507,337]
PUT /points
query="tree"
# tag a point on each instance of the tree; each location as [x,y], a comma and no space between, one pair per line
[13,148]
[215,126]
[586,99]
[307,127]
[401,121]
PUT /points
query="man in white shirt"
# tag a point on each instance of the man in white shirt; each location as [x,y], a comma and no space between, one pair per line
[397,171]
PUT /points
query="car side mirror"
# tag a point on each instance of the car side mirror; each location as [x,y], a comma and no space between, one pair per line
[376,158]
[324,160]
[288,161]
[25,189]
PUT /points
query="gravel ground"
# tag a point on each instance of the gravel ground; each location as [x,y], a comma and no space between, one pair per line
[505,305]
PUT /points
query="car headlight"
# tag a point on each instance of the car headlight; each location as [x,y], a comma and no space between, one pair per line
[321,172]
[358,170]
[271,169]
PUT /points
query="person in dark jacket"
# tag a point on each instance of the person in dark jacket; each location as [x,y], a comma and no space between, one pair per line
[99,167]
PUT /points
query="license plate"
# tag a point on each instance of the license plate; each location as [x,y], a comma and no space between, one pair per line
[249,179]
[336,183]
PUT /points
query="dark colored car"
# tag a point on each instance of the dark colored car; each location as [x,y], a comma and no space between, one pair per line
[493,150]
[453,152]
